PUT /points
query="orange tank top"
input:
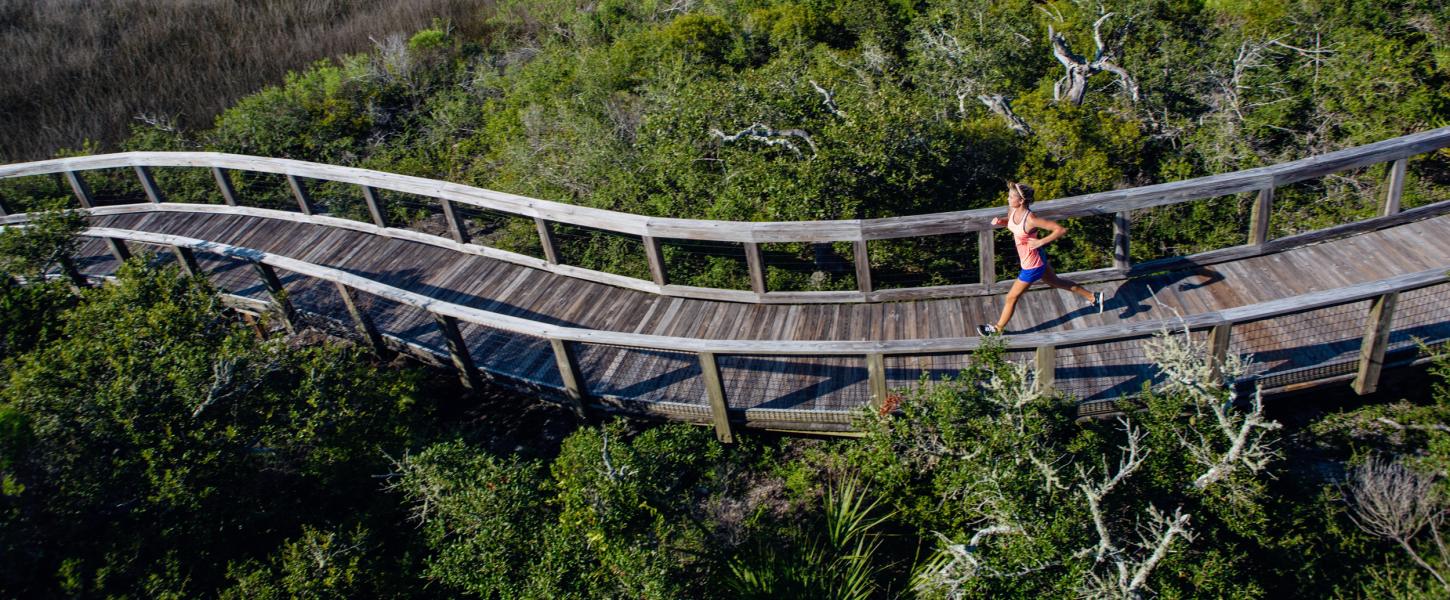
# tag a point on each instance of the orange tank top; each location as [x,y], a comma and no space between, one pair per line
[1021,236]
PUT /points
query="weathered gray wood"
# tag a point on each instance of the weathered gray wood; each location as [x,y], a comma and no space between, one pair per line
[546,239]
[361,320]
[118,249]
[224,183]
[299,190]
[570,375]
[1372,347]
[876,376]
[455,225]
[1121,223]
[1218,341]
[756,265]
[280,303]
[987,256]
[187,260]
[80,188]
[863,266]
[715,392]
[458,351]
[1044,366]
[656,260]
[370,195]
[1259,218]
[1396,187]
[148,183]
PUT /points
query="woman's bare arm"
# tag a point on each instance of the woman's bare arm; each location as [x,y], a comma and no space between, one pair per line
[1056,230]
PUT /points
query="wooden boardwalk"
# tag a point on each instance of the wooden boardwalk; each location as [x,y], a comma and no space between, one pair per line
[639,379]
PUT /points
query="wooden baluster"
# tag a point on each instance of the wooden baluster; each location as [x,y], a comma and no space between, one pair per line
[987,256]
[1046,370]
[118,249]
[1121,223]
[1396,187]
[455,224]
[370,195]
[656,260]
[755,263]
[299,189]
[1259,218]
[362,321]
[224,183]
[458,351]
[186,259]
[1218,340]
[570,376]
[1372,347]
[148,183]
[719,410]
[280,304]
[863,266]
[82,191]
[546,239]
[876,376]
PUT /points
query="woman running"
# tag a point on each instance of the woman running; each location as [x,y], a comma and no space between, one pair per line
[1024,226]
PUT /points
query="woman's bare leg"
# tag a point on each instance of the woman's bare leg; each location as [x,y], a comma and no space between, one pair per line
[1010,304]
[1051,278]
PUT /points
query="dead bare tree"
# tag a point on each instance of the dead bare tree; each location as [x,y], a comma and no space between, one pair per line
[1073,84]
[1390,501]
[942,47]
[770,137]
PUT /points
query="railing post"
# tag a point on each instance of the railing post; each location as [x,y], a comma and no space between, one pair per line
[118,249]
[1396,187]
[299,189]
[458,351]
[82,191]
[148,183]
[1259,219]
[280,303]
[569,375]
[719,411]
[1121,223]
[1045,368]
[863,266]
[655,259]
[1218,340]
[187,260]
[455,224]
[370,195]
[361,320]
[546,239]
[987,256]
[224,183]
[1372,346]
[756,265]
[876,376]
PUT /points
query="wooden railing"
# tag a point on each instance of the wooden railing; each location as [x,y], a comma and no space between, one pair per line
[566,341]
[653,231]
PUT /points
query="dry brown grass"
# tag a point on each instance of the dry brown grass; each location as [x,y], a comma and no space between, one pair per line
[72,70]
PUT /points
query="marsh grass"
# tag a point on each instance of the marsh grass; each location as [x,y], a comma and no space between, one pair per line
[74,70]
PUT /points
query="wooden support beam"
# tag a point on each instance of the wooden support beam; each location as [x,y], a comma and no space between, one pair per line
[362,321]
[81,190]
[755,263]
[118,249]
[876,376]
[1045,366]
[656,260]
[68,267]
[1218,340]
[715,392]
[457,350]
[148,183]
[1121,223]
[299,190]
[280,303]
[370,195]
[1372,347]
[863,266]
[987,256]
[187,260]
[546,238]
[1259,218]
[455,225]
[1396,188]
[570,375]
[224,183]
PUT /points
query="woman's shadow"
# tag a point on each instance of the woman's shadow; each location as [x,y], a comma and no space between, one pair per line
[1131,295]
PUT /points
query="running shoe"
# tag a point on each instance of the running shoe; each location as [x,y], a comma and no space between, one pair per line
[1098,301]
[986,330]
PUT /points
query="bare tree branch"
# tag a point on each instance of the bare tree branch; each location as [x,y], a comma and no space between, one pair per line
[1073,84]
[770,137]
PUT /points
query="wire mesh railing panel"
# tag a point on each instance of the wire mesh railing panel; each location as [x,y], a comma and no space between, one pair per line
[190,185]
[413,212]
[263,190]
[907,372]
[514,355]
[1299,342]
[817,383]
[409,324]
[336,199]
[1107,371]
[231,275]
[1089,247]
[640,375]
[805,267]
[924,262]
[1421,316]
[1324,202]
[1423,185]
[112,187]
[601,250]
[1189,227]
[706,263]
[500,230]
[26,194]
